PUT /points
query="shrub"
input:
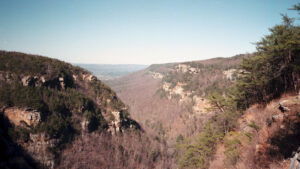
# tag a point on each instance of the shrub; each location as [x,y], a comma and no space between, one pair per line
[195,155]
[252,124]
[19,134]
[232,151]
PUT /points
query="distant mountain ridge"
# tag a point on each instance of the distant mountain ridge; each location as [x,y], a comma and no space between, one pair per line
[111,71]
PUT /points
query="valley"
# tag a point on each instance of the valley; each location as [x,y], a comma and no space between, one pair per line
[172,99]
[232,112]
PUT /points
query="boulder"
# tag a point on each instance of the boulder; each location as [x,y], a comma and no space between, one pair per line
[295,161]
[115,125]
[62,82]
[27,80]
[283,108]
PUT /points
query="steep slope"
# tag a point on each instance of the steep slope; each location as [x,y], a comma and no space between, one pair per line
[49,107]
[267,95]
[172,99]
[266,137]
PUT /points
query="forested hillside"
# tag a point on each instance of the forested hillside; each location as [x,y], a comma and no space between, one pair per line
[271,72]
[50,108]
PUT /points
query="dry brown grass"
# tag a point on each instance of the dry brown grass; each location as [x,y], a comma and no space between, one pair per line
[272,145]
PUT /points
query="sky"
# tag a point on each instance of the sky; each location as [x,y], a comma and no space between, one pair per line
[137,31]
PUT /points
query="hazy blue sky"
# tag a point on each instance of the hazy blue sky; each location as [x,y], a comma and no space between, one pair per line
[136,31]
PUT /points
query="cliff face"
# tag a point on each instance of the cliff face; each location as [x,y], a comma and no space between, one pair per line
[46,104]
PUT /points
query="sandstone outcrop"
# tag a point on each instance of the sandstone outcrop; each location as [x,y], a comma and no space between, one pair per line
[22,116]
[156,75]
[185,68]
[177,90]
[229,74]
[88,77]
[295,161]
[201,105]
[116,123]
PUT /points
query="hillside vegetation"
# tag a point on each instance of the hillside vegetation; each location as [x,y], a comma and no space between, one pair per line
[238,112]
[272,71]
[47,106]
[171,101]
